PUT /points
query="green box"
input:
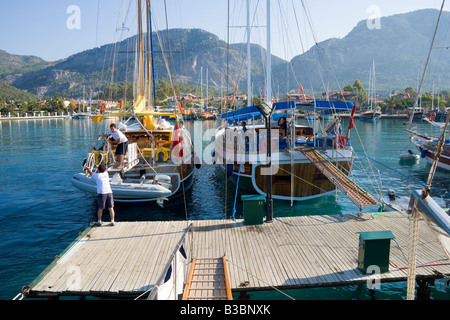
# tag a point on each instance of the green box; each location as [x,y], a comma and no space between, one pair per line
[374,247]
[254,208]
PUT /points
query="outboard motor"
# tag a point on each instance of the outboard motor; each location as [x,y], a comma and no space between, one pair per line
[391,194]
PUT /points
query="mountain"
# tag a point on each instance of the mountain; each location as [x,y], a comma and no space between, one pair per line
[399,49]
[193,51]
[13,66]
[8,92]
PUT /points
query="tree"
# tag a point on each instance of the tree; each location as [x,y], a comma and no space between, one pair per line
[358,86]
[410,90]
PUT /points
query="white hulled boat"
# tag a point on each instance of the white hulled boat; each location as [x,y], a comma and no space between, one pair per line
[159,160]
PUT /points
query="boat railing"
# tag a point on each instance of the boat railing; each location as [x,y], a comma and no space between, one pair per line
[174,269]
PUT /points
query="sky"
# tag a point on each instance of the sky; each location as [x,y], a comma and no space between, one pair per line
[56,29]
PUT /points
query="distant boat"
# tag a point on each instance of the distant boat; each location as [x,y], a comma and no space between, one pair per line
[369,113]
[417,113]
[189,114]
[409,156]
[81,116]
[428,146]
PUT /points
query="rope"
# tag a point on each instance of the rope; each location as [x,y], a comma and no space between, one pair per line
[396,171]
[25,290]
[237,188]
[261,280]
[412,251]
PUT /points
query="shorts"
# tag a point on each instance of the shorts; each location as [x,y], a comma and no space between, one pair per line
[105,201]
[122,148]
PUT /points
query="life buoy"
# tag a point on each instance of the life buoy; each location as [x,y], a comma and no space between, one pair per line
[162,154]
[339,141]
[263,145]
[432,116]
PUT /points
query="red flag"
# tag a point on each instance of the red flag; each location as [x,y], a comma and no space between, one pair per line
[351,125]
[301,90]
[234,96]
[102,108]
[179,107]
[121,105]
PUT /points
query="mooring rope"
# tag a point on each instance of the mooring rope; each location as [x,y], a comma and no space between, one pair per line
[245,270]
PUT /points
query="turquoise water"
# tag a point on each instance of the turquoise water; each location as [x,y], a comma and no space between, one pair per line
[41,212]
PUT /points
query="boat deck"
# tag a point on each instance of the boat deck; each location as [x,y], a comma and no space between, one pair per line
[360,197]
[288,253]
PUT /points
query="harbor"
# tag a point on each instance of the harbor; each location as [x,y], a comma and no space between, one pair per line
[269,196]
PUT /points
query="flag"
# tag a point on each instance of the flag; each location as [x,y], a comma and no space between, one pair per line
[234,96]
[351,125]
[301,90]
[121,105]
[179,107]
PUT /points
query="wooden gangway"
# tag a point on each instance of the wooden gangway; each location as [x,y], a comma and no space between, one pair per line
[359,196]
[208,280]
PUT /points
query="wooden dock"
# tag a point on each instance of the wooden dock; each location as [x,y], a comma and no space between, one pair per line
[288,253]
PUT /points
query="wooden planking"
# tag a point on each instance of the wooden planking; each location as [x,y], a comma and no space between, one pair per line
[347,186]
[207,280]
[112,260]
[290,252]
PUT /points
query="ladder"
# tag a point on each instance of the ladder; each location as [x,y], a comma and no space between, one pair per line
[360,197]
[208,280]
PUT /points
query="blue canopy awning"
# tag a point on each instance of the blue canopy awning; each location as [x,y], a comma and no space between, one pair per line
[338,106]
[285,105]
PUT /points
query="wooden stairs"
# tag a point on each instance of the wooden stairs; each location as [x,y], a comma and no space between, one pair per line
[208,280]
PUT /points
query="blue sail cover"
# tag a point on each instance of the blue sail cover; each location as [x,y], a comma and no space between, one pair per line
[327,105]
[252,112]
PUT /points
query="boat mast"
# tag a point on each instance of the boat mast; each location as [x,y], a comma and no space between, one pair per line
[269,62]
[249,75]
[150,64]
[140,102]
[426,66]
[269,202]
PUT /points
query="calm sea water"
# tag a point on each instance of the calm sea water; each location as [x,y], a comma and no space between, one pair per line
[41,212]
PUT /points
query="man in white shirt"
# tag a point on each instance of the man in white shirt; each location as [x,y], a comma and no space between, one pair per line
[122,143]
[105,198]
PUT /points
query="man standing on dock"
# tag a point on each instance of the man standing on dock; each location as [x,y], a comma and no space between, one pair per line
[105,196]
[121,140]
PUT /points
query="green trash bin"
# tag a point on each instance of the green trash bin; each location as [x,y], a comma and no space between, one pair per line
[254,208]
[374,248]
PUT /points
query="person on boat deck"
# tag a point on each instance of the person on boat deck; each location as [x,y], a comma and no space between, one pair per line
[121,140]
[243,124]
[105,198]
[282,124]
